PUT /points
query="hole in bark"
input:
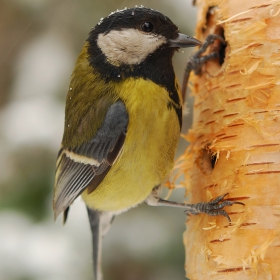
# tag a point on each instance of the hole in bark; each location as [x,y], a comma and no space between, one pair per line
[206,161]
[213,160]
[219,30]
[210,19]
[213,66]
[211,15]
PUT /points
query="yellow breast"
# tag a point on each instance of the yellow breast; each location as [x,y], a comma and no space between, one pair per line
[148,152]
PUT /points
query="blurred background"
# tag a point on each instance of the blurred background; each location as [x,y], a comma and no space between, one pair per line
[40,40]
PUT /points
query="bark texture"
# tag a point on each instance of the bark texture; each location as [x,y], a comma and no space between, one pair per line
[235,144]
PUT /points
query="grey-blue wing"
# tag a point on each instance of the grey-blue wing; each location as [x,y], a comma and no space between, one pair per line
[89,163]
[101,146]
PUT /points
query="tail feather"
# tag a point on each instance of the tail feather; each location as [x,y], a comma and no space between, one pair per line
[99,224]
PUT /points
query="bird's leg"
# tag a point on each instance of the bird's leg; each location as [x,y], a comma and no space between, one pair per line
[211,208]
[196,61]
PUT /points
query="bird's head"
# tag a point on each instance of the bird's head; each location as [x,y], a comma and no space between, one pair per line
[131,36]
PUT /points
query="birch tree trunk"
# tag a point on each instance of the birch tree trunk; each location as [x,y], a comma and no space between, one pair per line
[235,144]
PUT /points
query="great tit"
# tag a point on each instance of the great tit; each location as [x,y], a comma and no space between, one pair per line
[123,119]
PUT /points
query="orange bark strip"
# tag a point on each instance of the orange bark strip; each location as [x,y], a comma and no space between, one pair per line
[234,144]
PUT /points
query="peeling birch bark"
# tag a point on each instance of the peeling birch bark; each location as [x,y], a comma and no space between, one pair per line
[235,144]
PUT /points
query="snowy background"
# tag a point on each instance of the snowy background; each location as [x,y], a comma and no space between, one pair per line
[40,40]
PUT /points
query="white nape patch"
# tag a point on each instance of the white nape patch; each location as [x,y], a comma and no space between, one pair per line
[128,46]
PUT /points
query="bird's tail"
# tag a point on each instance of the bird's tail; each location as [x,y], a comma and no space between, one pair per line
[99,224]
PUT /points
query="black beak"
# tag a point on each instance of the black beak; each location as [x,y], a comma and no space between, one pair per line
[184,41]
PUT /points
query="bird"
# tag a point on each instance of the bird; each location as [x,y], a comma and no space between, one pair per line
[123,118]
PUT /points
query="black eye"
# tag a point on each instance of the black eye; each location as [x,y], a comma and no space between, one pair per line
[147,26]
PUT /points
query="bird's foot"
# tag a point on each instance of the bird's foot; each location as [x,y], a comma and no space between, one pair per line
[196,61]
[213,207]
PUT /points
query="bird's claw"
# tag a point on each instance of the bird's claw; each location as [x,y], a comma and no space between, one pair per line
[196,61]
[211,38]
[214,207]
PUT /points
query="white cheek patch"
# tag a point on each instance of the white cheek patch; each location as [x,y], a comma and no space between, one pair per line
[128,46]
